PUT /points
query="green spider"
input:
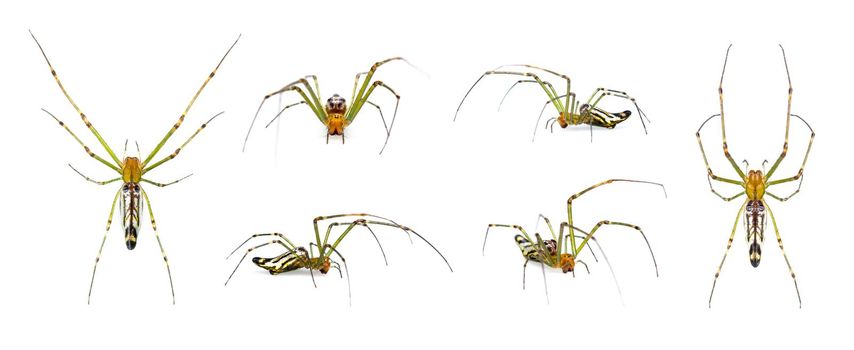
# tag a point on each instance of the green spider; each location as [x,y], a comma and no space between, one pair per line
[335,114]
[131,171]
[755,186]
[555,253]
[570,111]
[296,258]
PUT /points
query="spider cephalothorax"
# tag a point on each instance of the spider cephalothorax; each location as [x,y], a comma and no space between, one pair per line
[754,185]
[336,109]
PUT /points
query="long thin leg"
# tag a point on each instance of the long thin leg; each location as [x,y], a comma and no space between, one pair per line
[281,236]
[166,184]
[728,245]
[788,122]
[94,181]
[406,229]
[187,110]
[575,196]
[783,199]
[361,95]
[346,270]
[319,112]
[282,111]
[611,268]
[545,284]
[352,113]
[178,150]
[635,227]
[608,92]
[101,248]
[546,86]
[559,75]
[82,116]
[800,173]
[511,89]
[359,223]
[85,148]
[517,227]
[780,243]
[156,235]
[723,126]
[709,168]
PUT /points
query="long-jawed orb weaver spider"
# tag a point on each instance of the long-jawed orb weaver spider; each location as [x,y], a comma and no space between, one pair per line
[755,186]
[570,111]
[335,115]
[297,257]
[556,253]
[132,171]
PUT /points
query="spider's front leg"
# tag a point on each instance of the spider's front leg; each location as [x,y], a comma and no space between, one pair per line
[711,175]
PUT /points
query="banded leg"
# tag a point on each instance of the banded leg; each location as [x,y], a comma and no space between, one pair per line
[293,86]
[281,237]
[575,196]
[157,235]
[101,248]
[553,120]
[800,173]
[85,148]
[788,122]
[187,110]
[543,268]
[166,184]
[559,75]
[82,116]
[634,227]
[709,168]
[728,246]
[511,89]
[780,243]
[178,150]
[94,181]
[723,129]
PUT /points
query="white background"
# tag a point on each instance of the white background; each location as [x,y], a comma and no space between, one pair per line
[133,69]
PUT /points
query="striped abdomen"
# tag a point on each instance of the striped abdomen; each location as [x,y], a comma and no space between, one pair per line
[530,251]
[131,208]
[279,264]
[598,117]
[755,219]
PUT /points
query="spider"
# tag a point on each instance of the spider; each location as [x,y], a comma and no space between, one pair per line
[570,111]
[300,258]
[335,115]
[755,186]
[132,172]
[555,253]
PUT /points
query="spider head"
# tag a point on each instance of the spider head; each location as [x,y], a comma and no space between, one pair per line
[131,208]
[336,105]
[131,169]
[567,262]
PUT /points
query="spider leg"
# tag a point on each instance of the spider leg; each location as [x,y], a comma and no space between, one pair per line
[101,248]
[800,173]
[728,246]
[634,227]
[546,86]
[407,229]
[788,122]
[82,116]
[511,89]
[281,111]
[517,227]
[344,261]
[780,243]
[94,181]
[319,112]
[357,107]
[723,132]
[85,148]
[147,168]
[156,235]
[360,223]
[594,240]
[711,175]
[186,110]
[609,92]
[166,184]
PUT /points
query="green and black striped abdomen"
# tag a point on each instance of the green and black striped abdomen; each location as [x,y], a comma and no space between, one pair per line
[280,264]
[131,208]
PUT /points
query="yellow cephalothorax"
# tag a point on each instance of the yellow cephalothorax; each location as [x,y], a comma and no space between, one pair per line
[336,124]
[567,262]
[755,185]
[131,170]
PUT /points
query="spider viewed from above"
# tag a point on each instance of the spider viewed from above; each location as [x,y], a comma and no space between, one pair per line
[755,185]
[131,171]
